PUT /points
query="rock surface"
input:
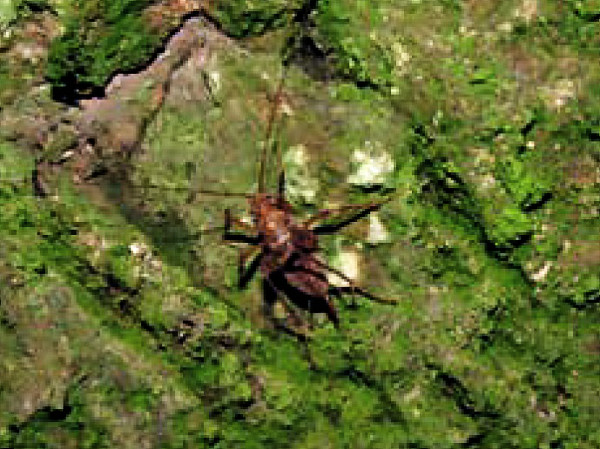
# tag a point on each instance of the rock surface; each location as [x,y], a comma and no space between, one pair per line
[121,324]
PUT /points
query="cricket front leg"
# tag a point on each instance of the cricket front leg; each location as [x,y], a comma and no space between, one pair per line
[232,236]
[364,210]
[326,213]
[246,273]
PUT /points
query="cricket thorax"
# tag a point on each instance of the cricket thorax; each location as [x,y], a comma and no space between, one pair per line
[274,223]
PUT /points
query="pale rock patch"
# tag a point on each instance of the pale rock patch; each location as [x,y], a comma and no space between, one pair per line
[487,181]
[401,57]
[377,231]
[300,185]
[541,274]
[527,11]
[505,27]
[348,262]
[556,96]
[138,249]
[247,219]
[373,166]
[412,394]
[31,52]
[214,81]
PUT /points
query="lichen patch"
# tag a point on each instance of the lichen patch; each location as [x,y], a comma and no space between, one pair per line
[348,262]
[373,166]
[300,185]
[377,232]
[557,95]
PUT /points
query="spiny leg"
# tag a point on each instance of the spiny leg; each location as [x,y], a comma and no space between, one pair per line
[332,228]
[338,290]
[352,287]
[231,236]
[326,213]
[245,275]
[301,337]
[230,220]
[271,294]
[311,318]
[269,299]
[281,185]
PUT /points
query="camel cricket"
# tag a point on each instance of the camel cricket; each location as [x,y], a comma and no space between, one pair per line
[284,249]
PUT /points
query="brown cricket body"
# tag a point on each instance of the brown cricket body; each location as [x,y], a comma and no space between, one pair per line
[285,250]
[287,254]
[287,263]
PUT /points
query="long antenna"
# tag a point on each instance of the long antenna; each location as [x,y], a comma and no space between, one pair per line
[21,182]
[263,156]
[280,170]
[193,192]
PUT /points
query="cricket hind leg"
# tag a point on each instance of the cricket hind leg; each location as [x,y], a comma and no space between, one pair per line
[338,293]
[307,288]
[332,312]
[270,296]
[329,310]
[351,287]
[354,289]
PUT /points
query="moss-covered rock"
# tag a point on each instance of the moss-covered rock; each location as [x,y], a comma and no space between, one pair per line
[243,18]
[347,30]
[100,38]
[119,312]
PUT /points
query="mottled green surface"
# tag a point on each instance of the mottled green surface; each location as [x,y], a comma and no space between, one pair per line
[100,37]
[492,116]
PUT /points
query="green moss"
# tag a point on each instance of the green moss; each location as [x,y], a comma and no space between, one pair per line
[502,223]
[69,426]
[8,13]
[358,56]
[100,38]
[505,225]
[242,18]
[527,189]
[18,10]
[478,352]
[573,22]
[120,263]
